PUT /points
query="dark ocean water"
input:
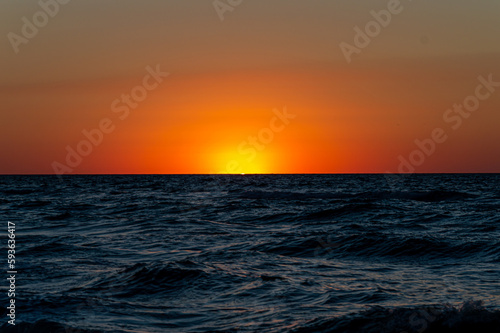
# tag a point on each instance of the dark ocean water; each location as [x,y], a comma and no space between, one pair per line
[254,253]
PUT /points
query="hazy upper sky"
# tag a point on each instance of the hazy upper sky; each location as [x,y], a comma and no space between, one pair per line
[355,103]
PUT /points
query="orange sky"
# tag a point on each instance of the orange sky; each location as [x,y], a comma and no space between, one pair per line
[221,107]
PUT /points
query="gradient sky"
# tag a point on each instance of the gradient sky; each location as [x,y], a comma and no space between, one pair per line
[229,78]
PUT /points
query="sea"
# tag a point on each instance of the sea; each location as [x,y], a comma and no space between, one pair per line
[252,253]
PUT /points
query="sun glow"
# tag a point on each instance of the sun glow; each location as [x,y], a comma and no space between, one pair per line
[232,161]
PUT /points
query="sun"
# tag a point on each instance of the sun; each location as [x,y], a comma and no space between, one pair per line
[232,161]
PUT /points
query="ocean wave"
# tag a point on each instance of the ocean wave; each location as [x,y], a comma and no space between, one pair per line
[59,217]
[426,196]
[433,196]
[152,278]
[372,244]
[51,247]
[292,195]
[19,192]
[298,247]
[67,245]
[469,317]
[34,203]
[341,211]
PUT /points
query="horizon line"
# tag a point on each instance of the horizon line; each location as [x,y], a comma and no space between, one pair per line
[247,174]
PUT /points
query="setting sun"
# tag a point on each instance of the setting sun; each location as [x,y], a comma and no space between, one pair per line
[234,161]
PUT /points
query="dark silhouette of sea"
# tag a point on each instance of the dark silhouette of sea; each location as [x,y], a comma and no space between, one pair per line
[253,253]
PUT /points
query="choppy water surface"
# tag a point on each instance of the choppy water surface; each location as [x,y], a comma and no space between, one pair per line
[255,253]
